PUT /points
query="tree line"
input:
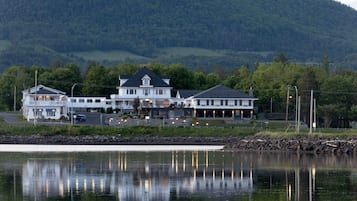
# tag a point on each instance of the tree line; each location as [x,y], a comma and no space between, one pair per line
[335,90]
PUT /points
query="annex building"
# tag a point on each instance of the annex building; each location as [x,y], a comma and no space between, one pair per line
[218,102]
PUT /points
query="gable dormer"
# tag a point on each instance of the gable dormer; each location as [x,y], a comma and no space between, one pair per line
[146,81]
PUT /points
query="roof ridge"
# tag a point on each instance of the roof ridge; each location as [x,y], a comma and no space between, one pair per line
[207,90]
[136,78]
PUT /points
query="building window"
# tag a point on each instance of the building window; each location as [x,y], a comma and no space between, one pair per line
[250,102]
[146,81]
[212,102]
[81,100]
[221,102]
[131,91]
[235,102]
[226,102]
[240,102]
[146,92]
[37,112]
[97,100]
[51,112]
[198,102]
[89,101]
[159,91]
[207,102]
[73,100]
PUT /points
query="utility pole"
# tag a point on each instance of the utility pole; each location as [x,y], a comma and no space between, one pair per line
[35,117]
[315,123]
[299,107]
[287,106]
[71,104]
[15,98]
[311,109]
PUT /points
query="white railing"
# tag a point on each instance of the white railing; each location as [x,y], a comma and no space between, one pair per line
[223,107]
[46,103]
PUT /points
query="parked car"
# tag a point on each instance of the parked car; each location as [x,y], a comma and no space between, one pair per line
[80,117]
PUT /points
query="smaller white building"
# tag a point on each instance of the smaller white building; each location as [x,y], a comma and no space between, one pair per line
[43,102]
[218,102]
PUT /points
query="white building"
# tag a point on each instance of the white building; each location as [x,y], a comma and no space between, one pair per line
[153,94]
[43,103]
[54,104]
[218,102]
[97,104]
[152,91]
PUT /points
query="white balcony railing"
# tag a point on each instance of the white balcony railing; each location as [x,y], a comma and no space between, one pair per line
[223,107]
[46,103]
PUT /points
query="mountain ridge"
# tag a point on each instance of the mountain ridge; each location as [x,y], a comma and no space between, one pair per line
[304,30]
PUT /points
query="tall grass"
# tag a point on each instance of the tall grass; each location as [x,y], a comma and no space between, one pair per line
[125,131]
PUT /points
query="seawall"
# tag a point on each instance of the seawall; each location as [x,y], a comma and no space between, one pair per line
[260,143]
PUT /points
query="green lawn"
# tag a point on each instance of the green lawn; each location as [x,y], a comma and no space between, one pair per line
[159,54]
[115,55]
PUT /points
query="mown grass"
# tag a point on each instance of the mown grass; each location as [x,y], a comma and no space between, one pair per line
[115,55]
[161,53]
[188,51]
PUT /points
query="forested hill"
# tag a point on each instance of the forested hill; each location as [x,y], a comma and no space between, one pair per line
[38,31]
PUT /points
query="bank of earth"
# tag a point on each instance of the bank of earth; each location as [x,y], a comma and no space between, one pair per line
[262,143]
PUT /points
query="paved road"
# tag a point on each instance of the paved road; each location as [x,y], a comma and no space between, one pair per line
[16,118]
[12,117]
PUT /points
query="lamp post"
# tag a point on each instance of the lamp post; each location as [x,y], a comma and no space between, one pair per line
[71,115]
[287,105]
[296,108]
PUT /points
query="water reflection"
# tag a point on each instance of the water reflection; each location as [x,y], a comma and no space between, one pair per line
[123,176]
[179,175]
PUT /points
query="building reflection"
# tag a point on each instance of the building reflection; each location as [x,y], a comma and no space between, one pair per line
[179,175]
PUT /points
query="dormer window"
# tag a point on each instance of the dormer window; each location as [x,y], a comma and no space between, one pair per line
[146,80]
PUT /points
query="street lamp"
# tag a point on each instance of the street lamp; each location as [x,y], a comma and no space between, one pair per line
[71,115]
[296,105]
[297,120]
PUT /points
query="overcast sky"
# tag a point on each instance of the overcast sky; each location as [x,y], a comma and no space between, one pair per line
[352,3]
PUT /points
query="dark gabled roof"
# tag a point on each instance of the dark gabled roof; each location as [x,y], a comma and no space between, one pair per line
[135,80]
[46,90]
[221,91]
[125,76]
[188,93]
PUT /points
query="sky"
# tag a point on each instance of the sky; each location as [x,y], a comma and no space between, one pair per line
[352,3]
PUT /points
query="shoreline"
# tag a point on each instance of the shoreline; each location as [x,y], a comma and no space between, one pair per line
[258,143]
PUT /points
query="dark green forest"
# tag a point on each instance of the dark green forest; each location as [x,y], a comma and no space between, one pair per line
[41,31]
[335,90]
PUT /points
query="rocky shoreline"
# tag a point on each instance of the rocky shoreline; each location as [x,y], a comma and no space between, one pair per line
[296,144]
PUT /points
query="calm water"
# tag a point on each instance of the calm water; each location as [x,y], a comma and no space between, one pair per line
[166,176]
